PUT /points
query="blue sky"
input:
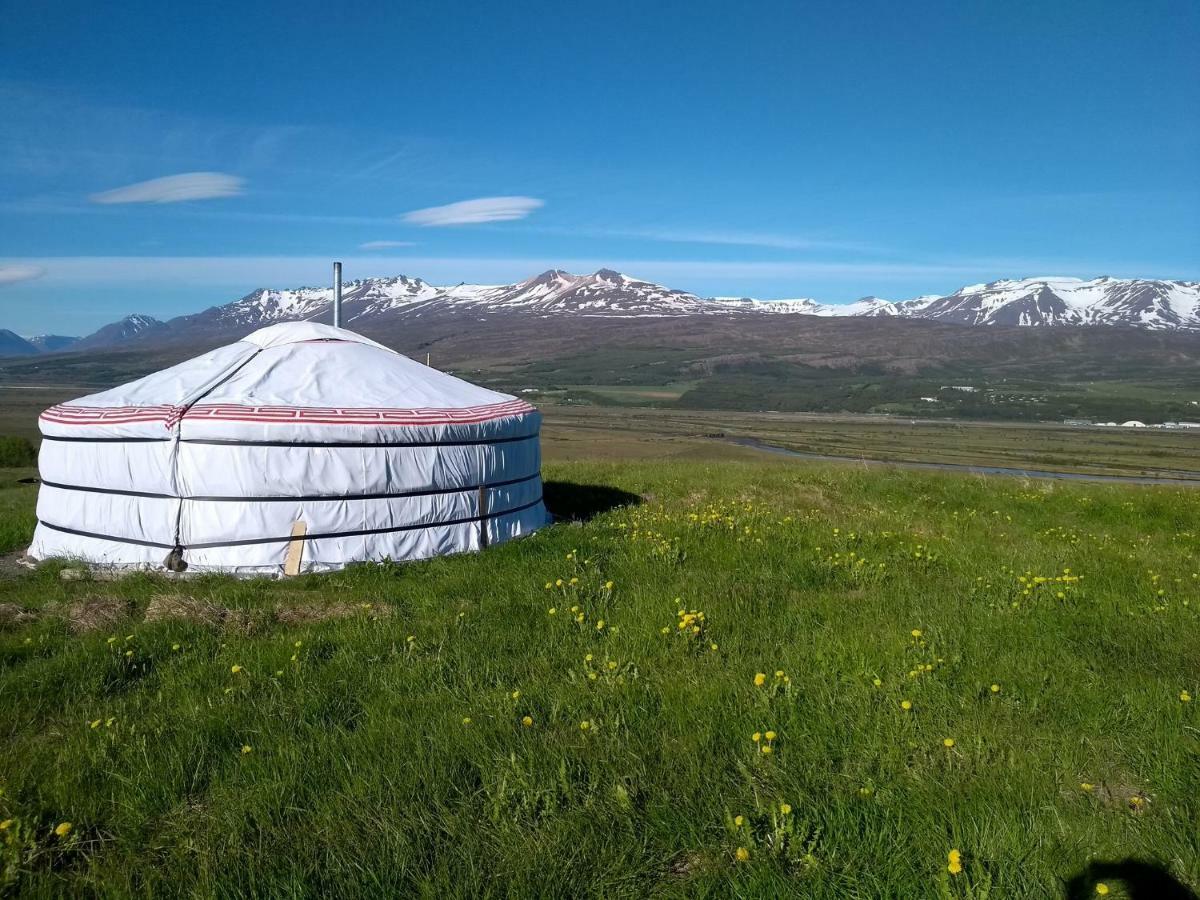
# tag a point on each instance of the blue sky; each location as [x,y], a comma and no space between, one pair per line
[829,150]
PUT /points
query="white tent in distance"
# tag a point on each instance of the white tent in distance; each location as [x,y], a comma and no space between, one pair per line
[301,445]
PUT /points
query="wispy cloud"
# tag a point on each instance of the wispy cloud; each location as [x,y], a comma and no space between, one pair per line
[385,245]
[174,189]
[14,273]
[473,212]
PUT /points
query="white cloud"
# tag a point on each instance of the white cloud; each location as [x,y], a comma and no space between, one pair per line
[385,245]
[473,212]
[174,189]
[14,273]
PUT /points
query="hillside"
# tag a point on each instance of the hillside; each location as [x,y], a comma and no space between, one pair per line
[935,664]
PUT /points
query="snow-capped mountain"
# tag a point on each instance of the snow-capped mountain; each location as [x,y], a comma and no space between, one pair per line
[127,329]
[1142,303]
[1068,301]
[52,343]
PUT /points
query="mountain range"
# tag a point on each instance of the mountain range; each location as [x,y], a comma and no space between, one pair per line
[375,303]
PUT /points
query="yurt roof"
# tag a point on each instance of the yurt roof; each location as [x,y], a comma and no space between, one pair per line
[286,379]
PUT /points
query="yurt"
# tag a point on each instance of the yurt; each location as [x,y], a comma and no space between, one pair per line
[302,447]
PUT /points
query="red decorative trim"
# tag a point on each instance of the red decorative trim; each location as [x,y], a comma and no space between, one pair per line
[309,415]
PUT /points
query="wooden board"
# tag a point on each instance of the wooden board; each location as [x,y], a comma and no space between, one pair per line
[295,551]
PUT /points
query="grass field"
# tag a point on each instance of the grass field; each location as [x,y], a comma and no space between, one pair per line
[995,667]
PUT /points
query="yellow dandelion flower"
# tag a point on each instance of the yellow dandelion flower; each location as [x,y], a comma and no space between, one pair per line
[770,735]
[466,720]
[175,646]
[742,854]
[995,688]
[916,632]
[713,647]
[1086,786]
[1185,697]
[246,748]
[552,610]
[300,644]
[62,829]
[112,640]
[739,821]
[612,664]
[760,679]
[585,725]
[756,737]
[599,624]
[954,862]
[906,705]
[779,673]
[608,585]
[947,742]
[516,695]
[128,654]
[95,723]
[785,809]
[767,749]
[527,721]
[1101,888]
[235,669]
[878,682]
[6,824]
[558,582]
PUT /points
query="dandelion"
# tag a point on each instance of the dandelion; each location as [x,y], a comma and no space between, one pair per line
[62,829]
[756,737]
[300,644]
[785,809]
[713,647]
[906,705]
[552,610]
[878,682]
[246,748]
[235,669]
[608,585]
[278,672]
[549,585]
[599,624]
[466,720]
[1086,786]
[527,721]
[779,673]
[1101,888]
[112,640]
[6,824]
[995,689]
[585,725]
[739,821]
[516,695]
[767,749]
[947,742]
[175,646]
[108,723]
[916,632]
[128,654]
[760,679]
[953,862]
[770,735]
[1185,697]
[94,723]
[742,854]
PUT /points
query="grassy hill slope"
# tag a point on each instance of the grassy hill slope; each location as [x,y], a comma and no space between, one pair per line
[947,663]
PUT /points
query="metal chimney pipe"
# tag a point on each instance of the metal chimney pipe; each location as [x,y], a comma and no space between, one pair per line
[337,295]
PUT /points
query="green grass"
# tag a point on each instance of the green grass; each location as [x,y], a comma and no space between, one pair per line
[363,780]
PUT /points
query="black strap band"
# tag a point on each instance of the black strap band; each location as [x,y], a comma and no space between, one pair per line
[427,492]
[350,445]
[209,545]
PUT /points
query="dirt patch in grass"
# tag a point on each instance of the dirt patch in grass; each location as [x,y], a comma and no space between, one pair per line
[309,613]
[95,613]
[163,607]
[13,615]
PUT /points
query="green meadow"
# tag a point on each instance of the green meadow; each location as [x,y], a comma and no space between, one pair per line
[710,678]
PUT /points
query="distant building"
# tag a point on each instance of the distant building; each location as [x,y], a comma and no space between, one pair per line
[1077,421]
[1133,423]
[959,387]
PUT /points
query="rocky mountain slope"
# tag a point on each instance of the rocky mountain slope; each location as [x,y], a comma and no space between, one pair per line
[379,304]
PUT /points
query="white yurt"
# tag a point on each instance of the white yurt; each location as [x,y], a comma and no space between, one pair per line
[302,447]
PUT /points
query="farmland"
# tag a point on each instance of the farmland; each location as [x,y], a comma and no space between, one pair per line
[721,674]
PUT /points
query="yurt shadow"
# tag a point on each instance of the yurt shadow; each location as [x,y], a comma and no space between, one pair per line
[569,501]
